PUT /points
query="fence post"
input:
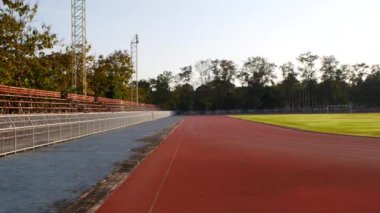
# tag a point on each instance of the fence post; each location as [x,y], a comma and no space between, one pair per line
[48,130]
[71,130]
[32,125]
[34,143]
[14,126]
[15,140]
[48,127]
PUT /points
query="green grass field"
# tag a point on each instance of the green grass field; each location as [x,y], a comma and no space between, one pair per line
[346,124]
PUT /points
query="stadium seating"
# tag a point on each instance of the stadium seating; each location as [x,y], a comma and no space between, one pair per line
[117,105]
[86,103]
[15,100]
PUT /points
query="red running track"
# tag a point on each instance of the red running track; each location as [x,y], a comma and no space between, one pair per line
[221,164]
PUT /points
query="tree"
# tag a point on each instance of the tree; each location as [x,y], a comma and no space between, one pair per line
[257,71]
[203,67]
[288,71]
[224,70]
[110,76]
[370,88]
[329,68]
[51,72]
[220,70]
[183,96]
[256,74]
[307,68]
[145,92]
[183,93]
[375,69]
[21,42]
[289,87]
[308,73]
[204,98]
[98,77]
[329,86]
[161,94]
[359,72]
[184,77]
[217,77]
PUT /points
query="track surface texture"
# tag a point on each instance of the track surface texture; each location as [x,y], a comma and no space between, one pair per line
[221,164]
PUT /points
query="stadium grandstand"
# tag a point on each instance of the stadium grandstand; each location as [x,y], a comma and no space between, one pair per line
[15,100]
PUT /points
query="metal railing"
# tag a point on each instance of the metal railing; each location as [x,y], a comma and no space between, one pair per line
[23,132]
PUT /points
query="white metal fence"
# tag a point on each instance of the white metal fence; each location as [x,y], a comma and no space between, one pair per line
[23,132]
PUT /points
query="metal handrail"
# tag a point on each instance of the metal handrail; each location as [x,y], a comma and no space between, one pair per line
[16,139]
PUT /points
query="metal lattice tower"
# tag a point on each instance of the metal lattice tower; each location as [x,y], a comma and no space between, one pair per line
[78,39]
[134,57]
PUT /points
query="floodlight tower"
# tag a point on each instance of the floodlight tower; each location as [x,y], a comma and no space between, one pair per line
[78,39]
[134,56]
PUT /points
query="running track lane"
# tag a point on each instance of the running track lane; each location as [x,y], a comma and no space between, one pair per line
[221,164]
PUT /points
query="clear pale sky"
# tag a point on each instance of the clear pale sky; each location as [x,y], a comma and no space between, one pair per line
[177,33]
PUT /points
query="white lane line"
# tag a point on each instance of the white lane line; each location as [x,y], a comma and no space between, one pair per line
[166,173]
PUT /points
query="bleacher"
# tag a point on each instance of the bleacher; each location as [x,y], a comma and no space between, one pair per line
[86,103]
[117,105]
[112,105]
[15,100]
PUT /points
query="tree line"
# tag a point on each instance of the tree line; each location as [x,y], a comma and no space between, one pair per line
[33,57]
[313,83]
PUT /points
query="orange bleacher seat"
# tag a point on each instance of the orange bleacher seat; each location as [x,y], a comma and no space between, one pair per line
[20,100]
[28,92]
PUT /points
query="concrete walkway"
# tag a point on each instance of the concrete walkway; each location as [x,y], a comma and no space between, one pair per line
[45,179]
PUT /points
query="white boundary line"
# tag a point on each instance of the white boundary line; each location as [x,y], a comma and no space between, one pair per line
[157,195]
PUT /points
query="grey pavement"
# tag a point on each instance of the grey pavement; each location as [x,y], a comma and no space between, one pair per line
[41,180]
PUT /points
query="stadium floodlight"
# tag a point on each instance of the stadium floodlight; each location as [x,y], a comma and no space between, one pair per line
[78,39]
[134,56]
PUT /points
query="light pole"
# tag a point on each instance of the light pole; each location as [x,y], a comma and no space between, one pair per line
[78,39]
[134,55]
